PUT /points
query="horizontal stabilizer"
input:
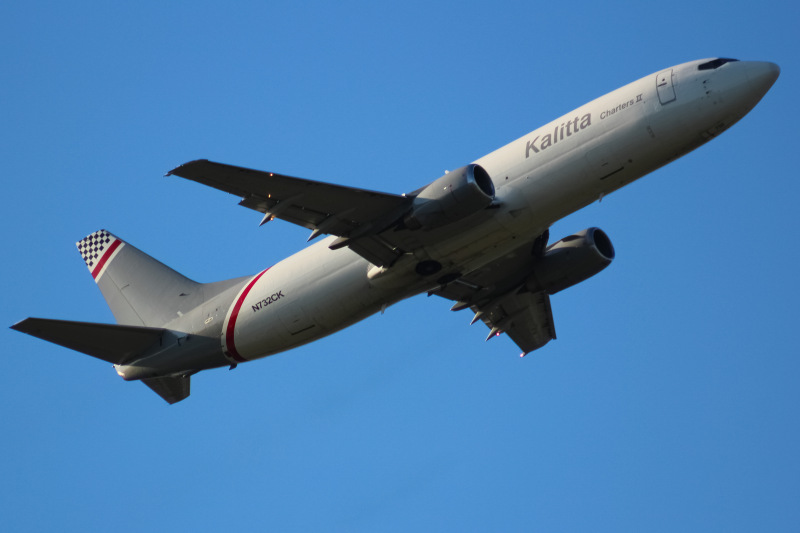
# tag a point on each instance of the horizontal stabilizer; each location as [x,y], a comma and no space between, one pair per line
[113,343]
[172,389]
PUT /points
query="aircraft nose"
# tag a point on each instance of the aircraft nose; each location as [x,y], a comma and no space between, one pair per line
[748,82]
[762,75]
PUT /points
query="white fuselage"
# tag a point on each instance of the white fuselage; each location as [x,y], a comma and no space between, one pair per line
[539,179]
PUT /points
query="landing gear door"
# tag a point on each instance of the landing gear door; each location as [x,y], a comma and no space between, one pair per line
[666,91]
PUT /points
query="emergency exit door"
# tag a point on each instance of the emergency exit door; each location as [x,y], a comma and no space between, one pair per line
[666,91]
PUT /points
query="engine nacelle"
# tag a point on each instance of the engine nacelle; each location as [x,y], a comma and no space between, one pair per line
[452,197]
[571,260]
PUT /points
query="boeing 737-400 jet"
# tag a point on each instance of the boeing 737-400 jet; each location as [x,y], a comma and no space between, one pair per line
[477,236]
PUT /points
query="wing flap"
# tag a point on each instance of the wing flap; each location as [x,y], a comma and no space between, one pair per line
[376,250]
[110,342]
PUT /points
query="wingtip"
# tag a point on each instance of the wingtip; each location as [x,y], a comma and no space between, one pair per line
[175,171]
[18,326]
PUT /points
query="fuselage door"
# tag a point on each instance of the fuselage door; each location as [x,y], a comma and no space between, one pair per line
[666,91]
[294,318]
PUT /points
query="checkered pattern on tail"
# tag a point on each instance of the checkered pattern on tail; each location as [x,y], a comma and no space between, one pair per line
[93,247]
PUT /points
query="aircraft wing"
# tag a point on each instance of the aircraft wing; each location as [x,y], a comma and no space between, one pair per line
[355,215]
[497,296]
[526,318]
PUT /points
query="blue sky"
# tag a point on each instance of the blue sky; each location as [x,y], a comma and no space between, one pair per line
[669,401]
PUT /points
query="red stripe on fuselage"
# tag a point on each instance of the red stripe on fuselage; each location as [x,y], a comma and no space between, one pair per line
[234,315]
[104,259]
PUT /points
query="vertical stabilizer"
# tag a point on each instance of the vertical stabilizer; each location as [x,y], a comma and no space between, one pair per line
[139,290]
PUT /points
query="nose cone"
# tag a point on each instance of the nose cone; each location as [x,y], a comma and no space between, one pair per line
[761,75]
[747,82]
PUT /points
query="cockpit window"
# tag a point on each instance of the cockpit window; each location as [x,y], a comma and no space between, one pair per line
[714,63]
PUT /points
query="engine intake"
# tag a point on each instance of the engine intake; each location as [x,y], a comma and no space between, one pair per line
[571,260]
[452,197]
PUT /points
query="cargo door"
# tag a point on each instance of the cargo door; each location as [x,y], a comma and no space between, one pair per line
[664,86]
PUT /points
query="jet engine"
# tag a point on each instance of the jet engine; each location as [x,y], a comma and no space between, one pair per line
[571,260]
[452,197]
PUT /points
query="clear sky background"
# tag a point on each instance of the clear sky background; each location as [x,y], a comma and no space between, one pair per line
[669,401]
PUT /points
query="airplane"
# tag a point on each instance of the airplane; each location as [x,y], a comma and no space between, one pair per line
[477,236]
